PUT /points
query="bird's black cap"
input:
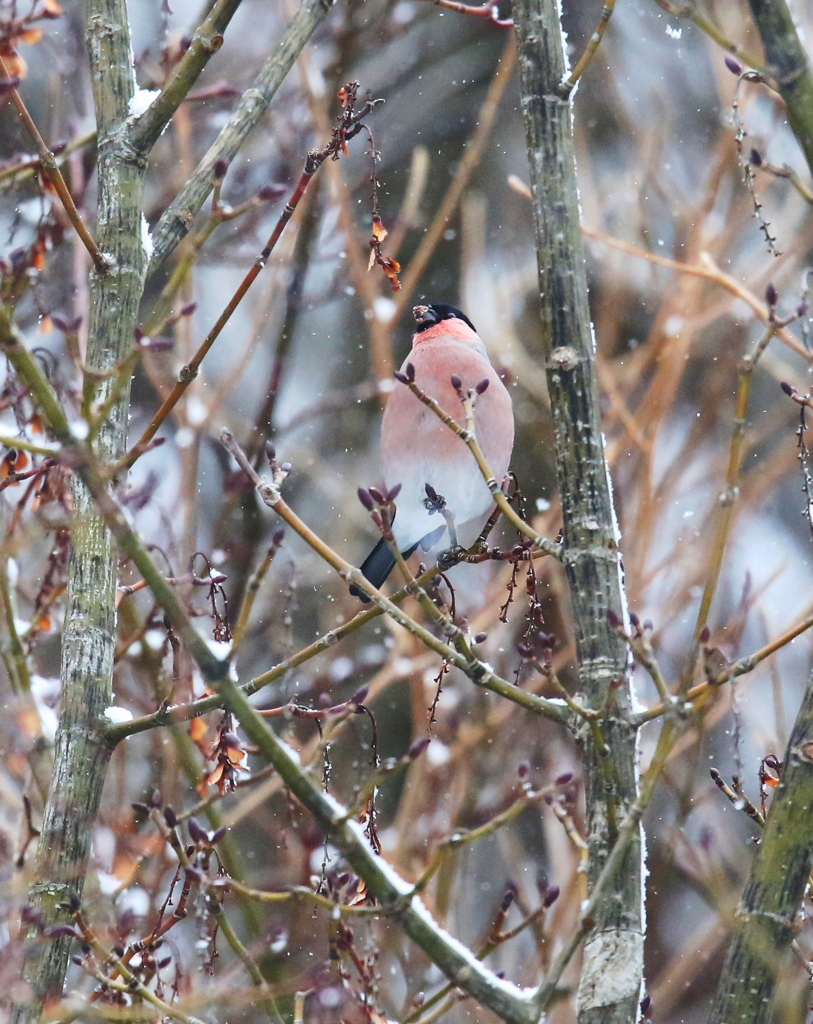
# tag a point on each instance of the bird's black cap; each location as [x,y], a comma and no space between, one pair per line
[428,316]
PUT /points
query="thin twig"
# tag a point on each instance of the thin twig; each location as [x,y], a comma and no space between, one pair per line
[592,45]
[350,123]
[54,175]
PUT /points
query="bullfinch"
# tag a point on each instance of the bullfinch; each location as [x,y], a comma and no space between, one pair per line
[422,454]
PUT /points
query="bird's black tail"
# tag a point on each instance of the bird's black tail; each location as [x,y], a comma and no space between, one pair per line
[377,566]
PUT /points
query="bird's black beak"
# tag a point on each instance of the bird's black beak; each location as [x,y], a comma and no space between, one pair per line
[424,315]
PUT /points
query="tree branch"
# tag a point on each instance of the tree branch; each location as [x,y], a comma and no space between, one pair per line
[146,129]
[613,960]
[773,895]
[787,61]
[81,751]
[177,218]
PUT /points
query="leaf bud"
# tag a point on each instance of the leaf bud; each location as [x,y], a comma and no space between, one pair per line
[457,383]
[268,193]
[733,66]
[359,695]
[220,168]
[482,386]
[417,747]
[197,833]
[366,498]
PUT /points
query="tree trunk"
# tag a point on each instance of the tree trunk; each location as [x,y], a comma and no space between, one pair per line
[613,957]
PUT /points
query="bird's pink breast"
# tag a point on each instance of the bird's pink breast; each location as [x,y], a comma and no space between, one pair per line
[417,448]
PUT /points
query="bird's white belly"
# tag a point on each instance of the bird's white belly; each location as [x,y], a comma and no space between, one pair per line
[459,481]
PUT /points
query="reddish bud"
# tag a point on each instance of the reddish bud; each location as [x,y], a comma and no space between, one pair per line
[771,296]
[58,931]
[377,495]
[270,193]
[482,386]
[646,1003]
[160,344]
[564,778]
[523,769]
[270,452]
[457,383]
[508,898]
[170,817]
[401,377]
[410,372]
[7,84]
[197,833]
[634,620]
[278,537]
[479,638]
[613,619]
[393,492]
[733,66]
[417,747]
[217,835]
[551,896]
[366,498]
[189,309]
[705,635]
[69,325]
[359,695]
[220,168]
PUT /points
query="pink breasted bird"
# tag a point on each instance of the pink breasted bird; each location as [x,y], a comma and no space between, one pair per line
[417,449]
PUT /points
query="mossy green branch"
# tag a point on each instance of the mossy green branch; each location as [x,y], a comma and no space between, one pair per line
[177,219]
[766,917]
[787,61]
